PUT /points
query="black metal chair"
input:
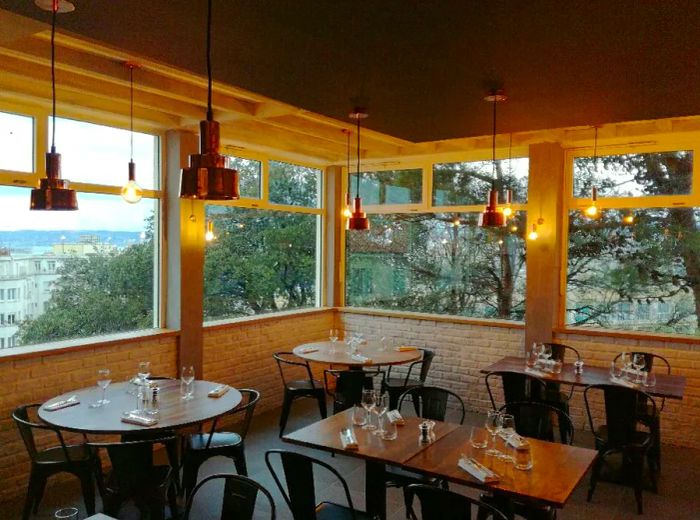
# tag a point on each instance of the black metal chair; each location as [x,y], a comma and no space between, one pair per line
[431,403]
[537,420]
[619,434]
[202,446]
[516,387]
[297,388]
[399,383]
[134,476]
[441,504]
[300,494]
[79,460]
[348,386]
[653,420]
[240,495]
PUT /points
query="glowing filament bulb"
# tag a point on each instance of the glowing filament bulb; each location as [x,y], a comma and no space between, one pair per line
[628,218]
[592,210]
[533,235]
[209,233]
[507,210]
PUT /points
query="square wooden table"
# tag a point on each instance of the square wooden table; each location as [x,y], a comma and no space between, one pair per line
[558,468]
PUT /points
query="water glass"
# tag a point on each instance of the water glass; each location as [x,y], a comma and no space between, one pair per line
[615,371]
[523,456]
[66,513]
[144,370]
[556,366]
[381,404]
[638,362]
[507,430]
[368,402]
[478,438]
[649,379]
[187,381]
[103,381]
[359,416]
[531,359]
[333,336]
[389,429]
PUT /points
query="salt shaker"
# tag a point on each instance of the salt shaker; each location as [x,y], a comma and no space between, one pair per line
[424,433]
[578,367]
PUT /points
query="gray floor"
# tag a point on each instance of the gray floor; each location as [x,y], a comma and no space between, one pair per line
[678,497]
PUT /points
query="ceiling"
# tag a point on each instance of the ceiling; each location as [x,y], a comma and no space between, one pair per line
[425,65]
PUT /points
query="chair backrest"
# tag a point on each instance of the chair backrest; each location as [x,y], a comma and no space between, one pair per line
[621,411]
[535,419]
[441,504]
[655,362]
[246,407]
[425,364]
[288,360]
[300,494]
[26,426]
[432,402]
[240,495]
[348,387]
[559,351]
[516,387]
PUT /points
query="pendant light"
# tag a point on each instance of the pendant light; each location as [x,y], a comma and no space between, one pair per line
[492,216]
[131,191]
[209,233]
[508,209]
[347,213]
[208,176]
[54,193]
[358,220]
[592,210]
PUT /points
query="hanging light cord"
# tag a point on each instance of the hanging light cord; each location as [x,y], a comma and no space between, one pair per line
[358,154]
[493,142]
[54,10]
[348,157]
[131,110]
[210,115]
[595,148]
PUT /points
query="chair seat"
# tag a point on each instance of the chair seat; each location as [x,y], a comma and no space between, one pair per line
[398,382]
[56,455]
[198,441]
[640,439]
[304,385]
[333,511]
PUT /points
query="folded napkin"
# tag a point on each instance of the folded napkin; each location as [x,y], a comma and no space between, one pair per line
[58,405]
[535,372]
[405,348]
[348,440]
[395,417]
[137,418]
[514,439]
[361,358]
[478,470]
[219,391]
[623,382]
[308,350]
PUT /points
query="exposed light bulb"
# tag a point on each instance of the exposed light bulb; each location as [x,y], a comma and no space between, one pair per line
[500,242]
[628,218]
[592,210]
[507,212]
[533,235]
[346,212]
[132,192]
[513,228]
[209,233]
[456,222]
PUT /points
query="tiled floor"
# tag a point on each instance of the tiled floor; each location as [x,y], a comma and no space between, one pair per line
[678,497]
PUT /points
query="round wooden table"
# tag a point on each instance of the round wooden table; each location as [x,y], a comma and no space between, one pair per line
[174,411]
[322,352]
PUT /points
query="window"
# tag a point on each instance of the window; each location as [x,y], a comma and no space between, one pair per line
[2,294]
[438,263]
[11,319]
[635,267]
[261,261]
[11,294]
[389,186]
[2,319]
[12,341]
[2,342]
[249,176]
[294,185]
[52,266]
[16,143]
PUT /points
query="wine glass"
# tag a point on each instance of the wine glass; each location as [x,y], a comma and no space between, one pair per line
[144,371]
[493,425]
[507,430]
[187,378]
[333,336]
[638,362]
[381,404]
[625,364]
[103,381]
[368,402]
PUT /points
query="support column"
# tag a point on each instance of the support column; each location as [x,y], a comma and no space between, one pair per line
[333,234]
[545,201]
[185,254]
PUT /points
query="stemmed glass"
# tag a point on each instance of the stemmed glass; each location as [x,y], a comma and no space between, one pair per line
[638,362]
[546,354]
[368,402]
[625,363]
[333,336]
[508,430]
[493,425]
[187,378]
[381,404]
[144,371]
[103,381]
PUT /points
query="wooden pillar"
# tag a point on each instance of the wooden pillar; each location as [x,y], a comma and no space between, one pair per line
[185,254]
[334,206]
[545,201]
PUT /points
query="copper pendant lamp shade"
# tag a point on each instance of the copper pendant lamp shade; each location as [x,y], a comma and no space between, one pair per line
[358,220]
[53,192]
[208,176]
[493,216]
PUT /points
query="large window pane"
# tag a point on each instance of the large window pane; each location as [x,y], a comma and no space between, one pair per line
[75,274]
[99,154]
[642,276]
[389,186]
[295,185]
[249,175]
[634,175]
[468,183]
[261,261]
[438,263]
[16,142]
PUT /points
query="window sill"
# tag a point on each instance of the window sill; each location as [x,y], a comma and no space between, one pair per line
[71,345]
[482,322]
[632,335]
[259,318]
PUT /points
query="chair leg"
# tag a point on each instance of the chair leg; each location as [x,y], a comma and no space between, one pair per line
[638,466]
[240,462]
[189,475]
[31,495]
[172,449]
[87,485]
[172,501]
[39,491]
[286,407]
[321,398]
[410,515]
[595,473]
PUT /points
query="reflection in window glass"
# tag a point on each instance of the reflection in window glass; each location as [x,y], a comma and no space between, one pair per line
[261,261]
[468,183]
[80,273]
[16,142]
[642,276]
[295,185]
[99,154]
[634,175]
[438,263]
[389,186]
[249,176]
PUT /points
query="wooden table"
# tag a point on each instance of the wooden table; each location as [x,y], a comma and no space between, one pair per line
[174,411]
[557,468]
[669,386]
[324,353]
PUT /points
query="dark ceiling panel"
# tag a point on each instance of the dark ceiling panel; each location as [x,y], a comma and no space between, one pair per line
[423,63]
